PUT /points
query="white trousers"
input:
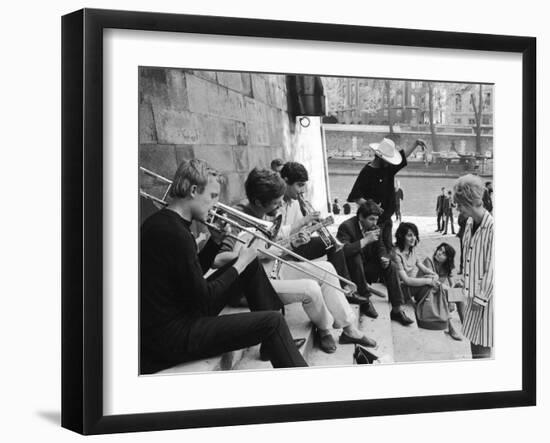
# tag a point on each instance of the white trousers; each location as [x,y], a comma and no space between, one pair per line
[325,306]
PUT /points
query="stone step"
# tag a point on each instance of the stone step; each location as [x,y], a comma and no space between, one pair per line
[380,329]
[343,355]
[414,344]
[223,362]
[300,327]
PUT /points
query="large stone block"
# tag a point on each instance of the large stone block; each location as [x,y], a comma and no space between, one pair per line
[260,157]
[231,80]
[241,133]
[220,157]
[276,126]
[259,87]
[207,75]
[184,152]
[240,155]
[147,130]
[215,130]
[175,127]
[163,87]
[247,84]
[233,188]
[225,103]
[160,159]
[197,92]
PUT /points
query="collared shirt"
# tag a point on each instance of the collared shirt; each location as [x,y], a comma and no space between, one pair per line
[478,266]
[292,214]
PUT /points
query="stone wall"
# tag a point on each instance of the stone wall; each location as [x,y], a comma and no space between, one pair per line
[235,121]
[342,141]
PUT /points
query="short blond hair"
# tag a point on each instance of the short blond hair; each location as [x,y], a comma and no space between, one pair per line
[468,191]
[189,173]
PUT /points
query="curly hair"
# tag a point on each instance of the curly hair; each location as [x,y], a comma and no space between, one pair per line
[402,231]
[449,264]
[264,185]
[189,173]
[468,191]
[294,172]
[369,207]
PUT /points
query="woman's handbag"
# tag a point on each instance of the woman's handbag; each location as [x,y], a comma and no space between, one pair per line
[432,311]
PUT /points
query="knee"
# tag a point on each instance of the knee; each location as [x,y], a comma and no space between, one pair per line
[273,320]
[312,292]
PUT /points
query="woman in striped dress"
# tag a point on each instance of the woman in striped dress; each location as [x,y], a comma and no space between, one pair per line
[477,264]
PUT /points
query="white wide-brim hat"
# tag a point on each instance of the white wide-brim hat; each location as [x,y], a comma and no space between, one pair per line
[386,151]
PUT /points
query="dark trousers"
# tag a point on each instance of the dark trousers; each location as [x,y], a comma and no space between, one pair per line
[440,223]
[479,351]
[365,271]
[315,248]
[451,218]
[211,335]
[386,226]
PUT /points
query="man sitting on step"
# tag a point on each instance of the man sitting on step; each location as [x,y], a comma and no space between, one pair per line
[324,304]
[368,259]
[179,308]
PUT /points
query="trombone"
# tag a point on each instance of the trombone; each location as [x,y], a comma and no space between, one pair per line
[259,230]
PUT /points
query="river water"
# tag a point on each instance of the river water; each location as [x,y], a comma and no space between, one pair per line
[420,193]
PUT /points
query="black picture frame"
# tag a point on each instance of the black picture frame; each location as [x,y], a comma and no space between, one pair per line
[82,218]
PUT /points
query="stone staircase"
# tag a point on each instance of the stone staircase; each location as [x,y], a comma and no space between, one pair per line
[395,343]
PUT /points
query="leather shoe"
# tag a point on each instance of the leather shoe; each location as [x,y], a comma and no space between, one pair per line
[368,310]
[345,339]
[401,317]
[356,299]
[327,343]
[264,353]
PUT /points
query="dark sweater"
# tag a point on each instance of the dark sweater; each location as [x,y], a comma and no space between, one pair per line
[378,184]
[173,291]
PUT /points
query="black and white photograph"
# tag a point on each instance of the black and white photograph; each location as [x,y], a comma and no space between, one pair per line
[303,220]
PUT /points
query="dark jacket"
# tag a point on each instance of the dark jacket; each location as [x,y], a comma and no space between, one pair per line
[448,206]
[440,202]
[349,233]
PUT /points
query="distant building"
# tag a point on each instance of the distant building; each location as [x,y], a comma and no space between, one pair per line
[364,101]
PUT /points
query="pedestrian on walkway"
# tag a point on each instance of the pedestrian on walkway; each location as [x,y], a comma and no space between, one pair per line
[439,210]
[448,206]
[398,197]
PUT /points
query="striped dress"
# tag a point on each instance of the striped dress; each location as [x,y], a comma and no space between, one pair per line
[478,266]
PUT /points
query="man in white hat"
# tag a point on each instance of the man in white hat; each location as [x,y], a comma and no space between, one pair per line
[376,180]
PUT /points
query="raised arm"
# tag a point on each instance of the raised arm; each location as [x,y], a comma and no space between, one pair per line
[417,143]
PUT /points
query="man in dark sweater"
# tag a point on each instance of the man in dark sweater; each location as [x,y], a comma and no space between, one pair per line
[439,211]
[179,308]
[376,181]
[368,259]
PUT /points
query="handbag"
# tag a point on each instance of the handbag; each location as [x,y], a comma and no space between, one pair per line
[432,311]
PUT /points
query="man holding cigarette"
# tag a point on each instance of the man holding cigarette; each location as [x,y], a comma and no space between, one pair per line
[369,261]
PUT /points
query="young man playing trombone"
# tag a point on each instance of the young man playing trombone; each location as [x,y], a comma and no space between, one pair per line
[179,308]
[315,285]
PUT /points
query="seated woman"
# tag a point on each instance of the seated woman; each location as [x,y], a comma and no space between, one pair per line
[443,263]
[408,264]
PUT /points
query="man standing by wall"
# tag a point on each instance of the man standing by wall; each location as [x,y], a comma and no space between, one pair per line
[439,210]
